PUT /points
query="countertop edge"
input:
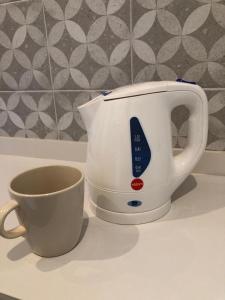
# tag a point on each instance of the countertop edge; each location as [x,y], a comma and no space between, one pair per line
[212,162]
[47,149]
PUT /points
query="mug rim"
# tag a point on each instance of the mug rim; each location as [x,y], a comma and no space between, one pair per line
[12,191]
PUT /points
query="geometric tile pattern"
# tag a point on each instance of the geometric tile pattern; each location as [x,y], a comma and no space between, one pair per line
[216,139]
[27,114]
[89,43]
[179,38]
[55,55]
[70,125]
[24,57]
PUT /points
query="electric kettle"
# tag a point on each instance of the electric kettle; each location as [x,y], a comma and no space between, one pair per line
[131,171]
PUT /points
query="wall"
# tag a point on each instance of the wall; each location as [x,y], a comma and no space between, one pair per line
[56,56]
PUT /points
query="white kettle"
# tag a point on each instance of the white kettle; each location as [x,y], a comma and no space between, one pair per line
[131,171]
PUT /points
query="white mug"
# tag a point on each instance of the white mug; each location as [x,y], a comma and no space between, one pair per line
[49,205]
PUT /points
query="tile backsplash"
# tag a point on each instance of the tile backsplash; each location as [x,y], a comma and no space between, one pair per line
[56,55]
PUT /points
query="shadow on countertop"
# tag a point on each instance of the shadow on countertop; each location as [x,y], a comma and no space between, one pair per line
[100,241]
[193,199]
[7,297]
[186,187]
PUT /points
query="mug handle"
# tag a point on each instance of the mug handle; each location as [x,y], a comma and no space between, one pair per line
[4,211]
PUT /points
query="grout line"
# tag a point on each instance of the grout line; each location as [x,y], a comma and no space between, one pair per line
[50,69]
[50,91]
[80,91]
[13,2]
[214,89]
[131,44]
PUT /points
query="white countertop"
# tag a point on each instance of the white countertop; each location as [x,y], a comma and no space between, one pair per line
[179,257]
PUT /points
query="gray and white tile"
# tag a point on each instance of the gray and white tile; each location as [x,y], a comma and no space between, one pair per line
[179,125]
[27,114]
[23,53]
[70,125]
[103,44]
[216,136]
[179,38]
[89,43]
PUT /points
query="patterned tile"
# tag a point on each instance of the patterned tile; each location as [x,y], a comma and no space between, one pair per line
[89,43]
[179,38]
[24,59]
[179,125]
[27,114]
[216,137]
[91,47]
[70,125]
[23,52]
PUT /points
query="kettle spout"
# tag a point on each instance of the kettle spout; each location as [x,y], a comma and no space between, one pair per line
[89,110]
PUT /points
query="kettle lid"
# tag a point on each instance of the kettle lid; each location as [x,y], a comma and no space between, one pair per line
[144,88]
[136,90]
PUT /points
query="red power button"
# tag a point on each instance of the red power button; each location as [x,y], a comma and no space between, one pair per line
[137,184]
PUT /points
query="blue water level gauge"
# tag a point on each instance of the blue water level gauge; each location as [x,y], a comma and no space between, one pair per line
[141,153]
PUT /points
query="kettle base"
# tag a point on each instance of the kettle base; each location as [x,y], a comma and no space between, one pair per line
[130,218]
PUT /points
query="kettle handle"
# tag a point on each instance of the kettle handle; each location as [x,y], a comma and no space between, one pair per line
[194,98]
